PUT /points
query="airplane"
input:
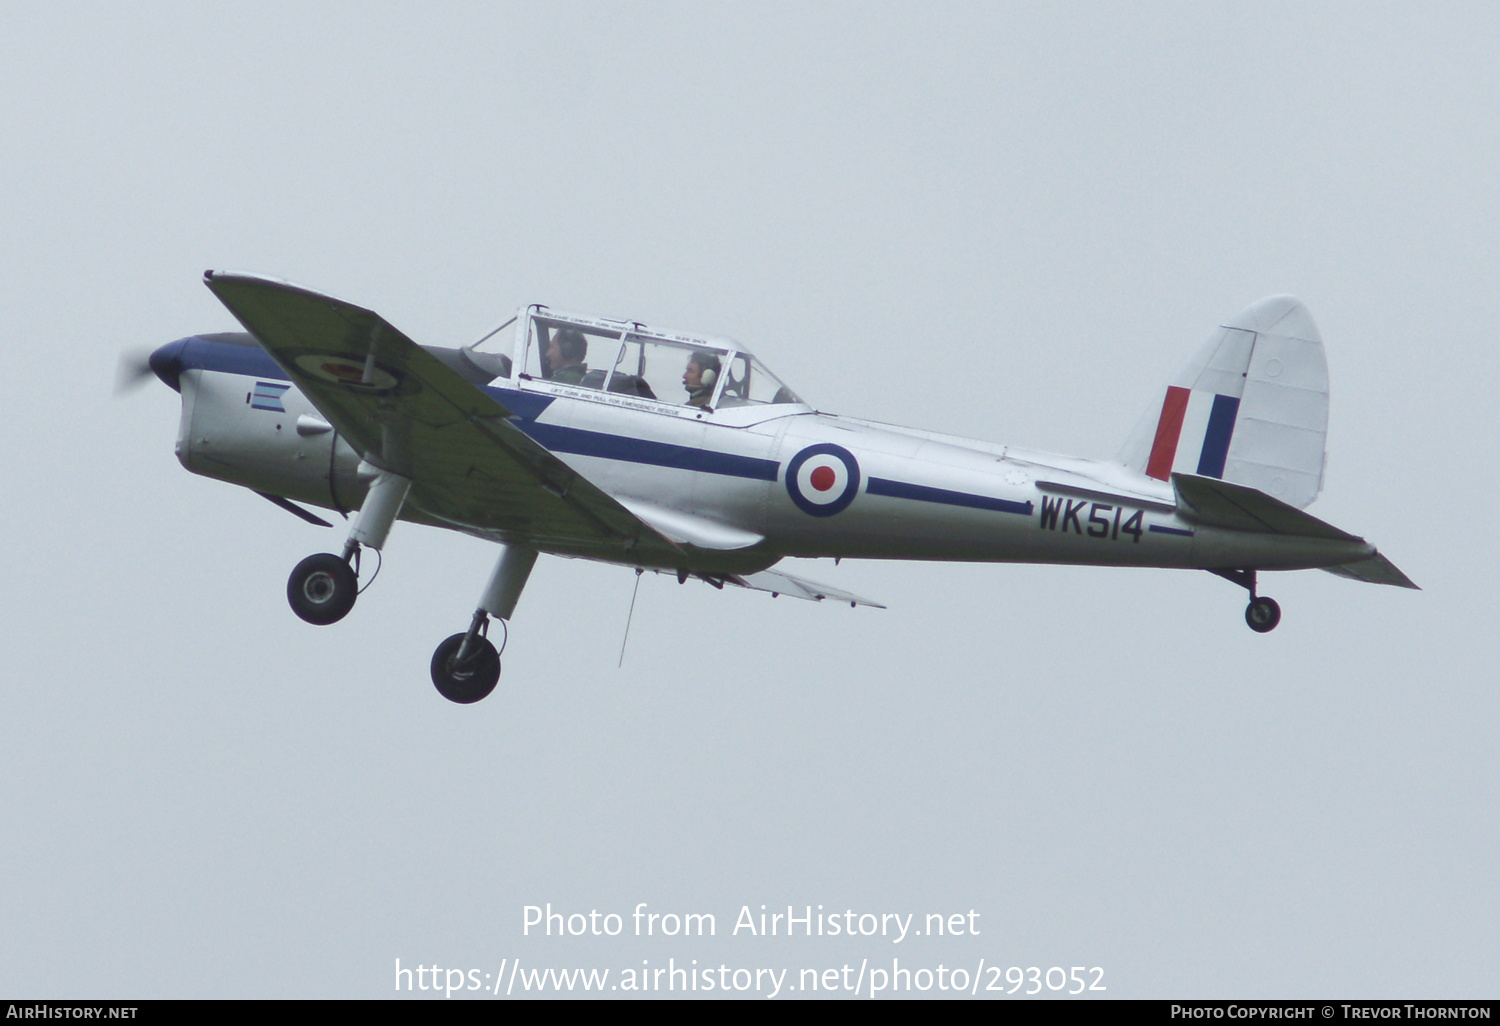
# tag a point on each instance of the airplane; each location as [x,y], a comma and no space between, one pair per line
[680,453]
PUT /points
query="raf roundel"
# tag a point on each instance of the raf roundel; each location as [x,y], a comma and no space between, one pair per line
[347,371]
[823,479]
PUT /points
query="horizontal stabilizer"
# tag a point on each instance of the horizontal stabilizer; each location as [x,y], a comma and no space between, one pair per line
[778,583]
[1375,570]
[1215,503]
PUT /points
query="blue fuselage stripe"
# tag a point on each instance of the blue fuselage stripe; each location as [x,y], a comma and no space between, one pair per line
[657,454]
[526,406]
[1169,530]
[923,493]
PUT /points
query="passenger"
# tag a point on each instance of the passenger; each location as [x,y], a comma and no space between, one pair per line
[565,355]
[702,371]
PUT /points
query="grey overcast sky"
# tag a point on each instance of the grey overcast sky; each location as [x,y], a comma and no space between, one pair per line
[1010,222]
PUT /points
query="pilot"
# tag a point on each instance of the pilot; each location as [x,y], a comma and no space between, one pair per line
[702,371]
[565,353]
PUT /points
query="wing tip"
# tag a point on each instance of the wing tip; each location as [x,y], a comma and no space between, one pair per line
[216,279]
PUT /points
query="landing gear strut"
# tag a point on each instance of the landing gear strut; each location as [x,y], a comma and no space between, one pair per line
[322,588]
[1262,614]
[466,667]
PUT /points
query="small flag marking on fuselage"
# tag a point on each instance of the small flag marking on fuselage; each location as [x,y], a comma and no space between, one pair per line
[267,396]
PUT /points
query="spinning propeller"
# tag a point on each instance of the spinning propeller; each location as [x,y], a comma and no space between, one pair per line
[132,370]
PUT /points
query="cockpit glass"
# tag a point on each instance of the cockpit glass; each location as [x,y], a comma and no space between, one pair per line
[570,354]
[666,368]
[750,384]
[673,372]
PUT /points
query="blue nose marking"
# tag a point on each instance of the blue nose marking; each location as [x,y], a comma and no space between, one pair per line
[166,363]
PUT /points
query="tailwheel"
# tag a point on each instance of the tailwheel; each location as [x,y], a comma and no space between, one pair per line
[322,589]
[471,679]
[1262,614]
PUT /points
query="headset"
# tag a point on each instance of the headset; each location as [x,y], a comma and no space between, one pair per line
[707,374]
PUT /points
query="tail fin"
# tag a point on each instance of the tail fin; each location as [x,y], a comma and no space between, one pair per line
[1250,407]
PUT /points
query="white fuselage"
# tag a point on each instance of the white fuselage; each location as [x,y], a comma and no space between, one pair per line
[807,483]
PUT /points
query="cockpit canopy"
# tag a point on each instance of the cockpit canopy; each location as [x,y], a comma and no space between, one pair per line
[637,361]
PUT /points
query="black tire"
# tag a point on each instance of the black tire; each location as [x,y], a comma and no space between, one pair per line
[322,589]
[1262,614]
[468,684]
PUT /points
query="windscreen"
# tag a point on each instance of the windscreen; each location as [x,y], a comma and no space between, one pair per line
[750,384]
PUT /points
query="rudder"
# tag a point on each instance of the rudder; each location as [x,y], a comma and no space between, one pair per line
[1250,407]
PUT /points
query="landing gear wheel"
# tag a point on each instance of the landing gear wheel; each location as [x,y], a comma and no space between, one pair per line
[470,682]
[1262,614]
[322,589]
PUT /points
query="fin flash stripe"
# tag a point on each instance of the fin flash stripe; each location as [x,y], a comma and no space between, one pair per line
[1168,428]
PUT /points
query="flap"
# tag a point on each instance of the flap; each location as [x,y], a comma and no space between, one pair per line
[778,583]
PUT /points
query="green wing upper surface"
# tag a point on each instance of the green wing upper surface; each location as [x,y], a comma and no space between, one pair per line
[405,411]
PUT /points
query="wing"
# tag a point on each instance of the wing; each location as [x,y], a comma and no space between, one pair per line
[406,412]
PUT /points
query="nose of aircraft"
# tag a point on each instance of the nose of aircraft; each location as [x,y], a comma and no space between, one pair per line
[166,363]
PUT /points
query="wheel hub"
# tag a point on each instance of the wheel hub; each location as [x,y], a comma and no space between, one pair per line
[322,589]
[318,587]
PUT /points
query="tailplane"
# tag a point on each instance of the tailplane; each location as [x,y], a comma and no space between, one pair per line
[1232,507]
[1250,408]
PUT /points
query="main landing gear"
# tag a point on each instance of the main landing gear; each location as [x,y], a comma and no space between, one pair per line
[1262,614]
[466,667]
[322,590]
